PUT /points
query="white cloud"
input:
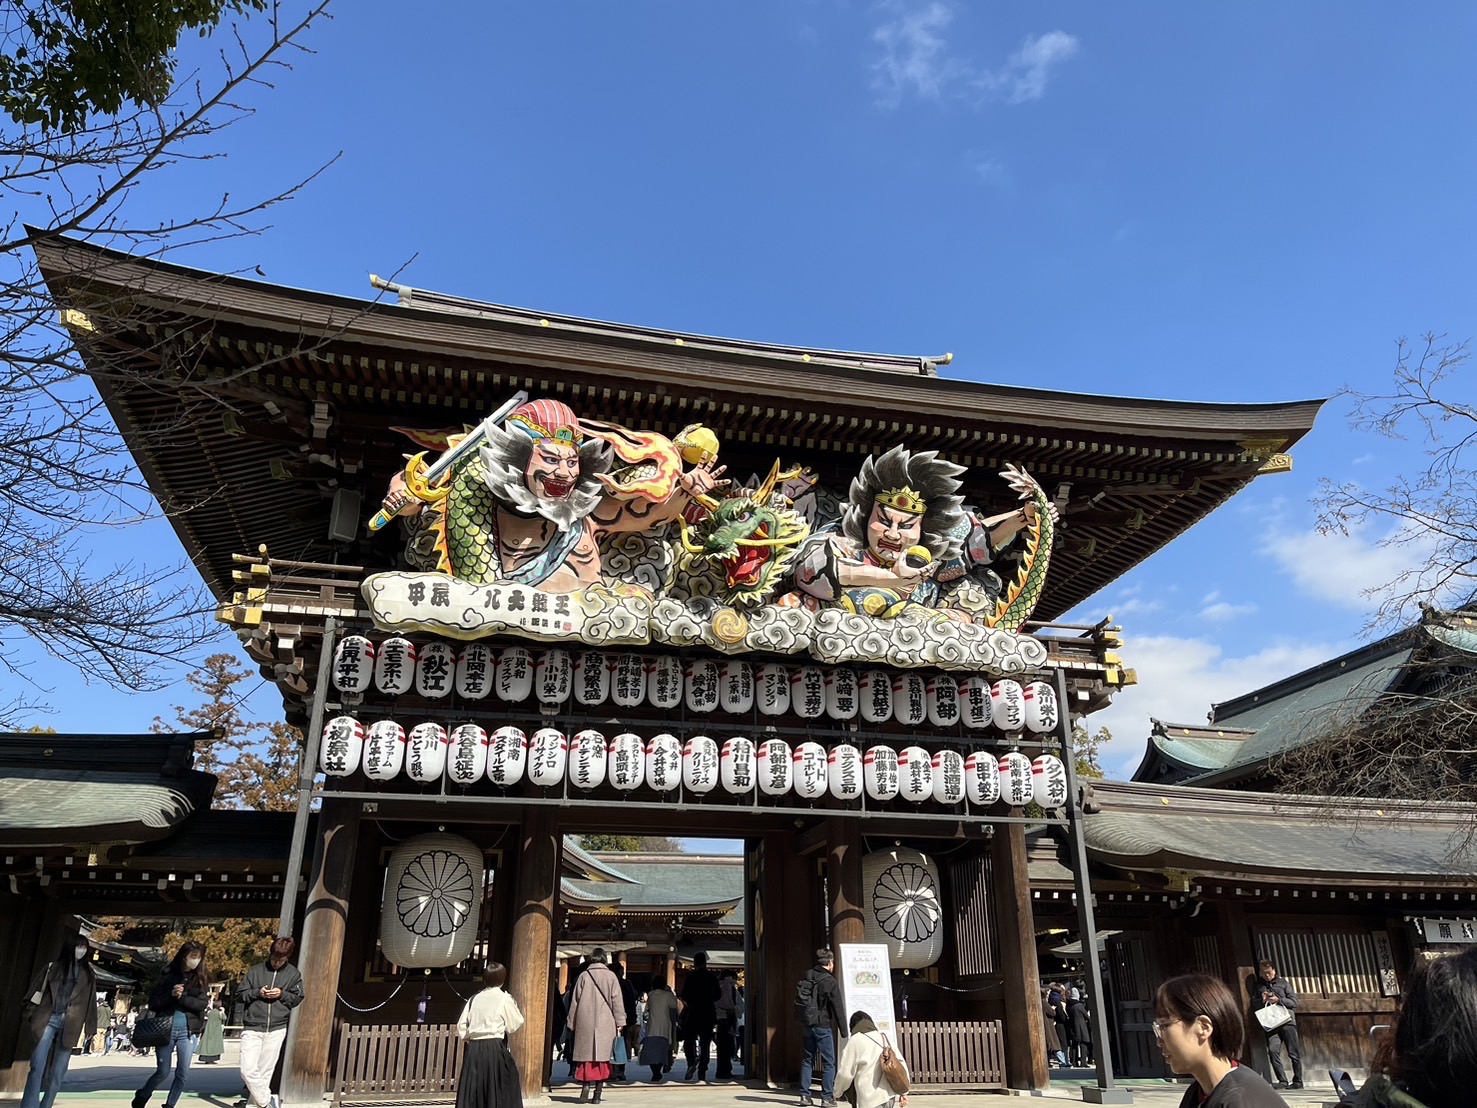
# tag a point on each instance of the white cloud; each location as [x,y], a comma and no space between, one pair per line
[1025,74]
[1348,570]
[1211,597]
[1221,611]
[1363,459]
[990,170]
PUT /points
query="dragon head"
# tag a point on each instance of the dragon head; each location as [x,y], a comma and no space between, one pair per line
[752,536]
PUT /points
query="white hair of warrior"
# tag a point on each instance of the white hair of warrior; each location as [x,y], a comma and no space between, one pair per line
[505,459]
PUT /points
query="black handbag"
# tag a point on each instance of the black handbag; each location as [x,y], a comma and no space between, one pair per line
[153,1030]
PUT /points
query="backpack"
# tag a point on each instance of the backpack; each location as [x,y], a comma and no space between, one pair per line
[806,1010]
[893,1070]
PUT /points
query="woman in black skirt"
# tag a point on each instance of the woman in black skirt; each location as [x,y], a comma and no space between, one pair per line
[489,1077]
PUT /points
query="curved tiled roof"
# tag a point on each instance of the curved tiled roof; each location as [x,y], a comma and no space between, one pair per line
[64,807]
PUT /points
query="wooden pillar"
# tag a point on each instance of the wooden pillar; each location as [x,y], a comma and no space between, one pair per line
[788,935]
[320,952]
[1025,1043]
[29,935]
[531,964]
[1238,967]
[844,880]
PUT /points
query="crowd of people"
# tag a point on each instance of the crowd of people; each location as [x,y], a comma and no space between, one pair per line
[1066,1026]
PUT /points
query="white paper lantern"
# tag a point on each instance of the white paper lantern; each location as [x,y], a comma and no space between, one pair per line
[548,754]
[981,778]
[433,890]
[628,688]
[943,700]
[974,702]
[664,682]
[915,774]
[699,764]
[1049,781]
[879,772]
[341,746]
[353,664]
[808,692]
[587,760]
[776,772]
[1015,779]
[736,766]
[844,772]
[625,762]
[876,696]
[909,699]
[475,668]
[435,671]
[736,687]
[903,907]
[663,763]
[841,693]
[425,753]
[772,696]
[1041,709]
[394,666]
[466,761]
[809,772]
[1008,705]
[701,679]
[514,675]
[384,750]
[507,756]
[553,676]
[591,678]
[948,777]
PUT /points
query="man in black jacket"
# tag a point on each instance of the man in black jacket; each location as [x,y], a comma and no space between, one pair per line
[699,1015]
[1275,990]
[269,992]
[819,1015]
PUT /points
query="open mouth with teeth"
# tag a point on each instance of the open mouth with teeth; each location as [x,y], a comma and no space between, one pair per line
[745,566]
[555,489]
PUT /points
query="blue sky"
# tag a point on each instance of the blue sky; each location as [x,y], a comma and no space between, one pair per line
[1202,202]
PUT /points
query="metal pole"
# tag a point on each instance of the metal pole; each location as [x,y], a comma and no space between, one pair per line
[306,770]
[1104,1092]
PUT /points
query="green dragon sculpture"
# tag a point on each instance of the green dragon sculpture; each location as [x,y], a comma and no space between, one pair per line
[1018,600]
[750,538]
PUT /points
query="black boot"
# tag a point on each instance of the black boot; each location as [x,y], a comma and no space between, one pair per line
[599,1089]
[584,1092]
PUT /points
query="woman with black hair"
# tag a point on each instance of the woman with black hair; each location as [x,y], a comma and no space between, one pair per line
[1429,1058]
[182,993]
[60,1004]
[1200,1031]
[489,1077]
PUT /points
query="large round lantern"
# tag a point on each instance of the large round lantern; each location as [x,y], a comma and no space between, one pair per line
[394,666]
[1015,779]
[909,699]
[736,687]
[353,664]
[879,772]
[507,756]
[943,700]
[701,679]
[841,693]
[515,675]
[628,686]
[699,764]
[548,753]
[915,774]
[425,753]
[553,677]
[844,772]
[475,666]
[1049,781]
[625,762]
[664,682]
[587,760]
[384,750]
[974,702]
[809,773]
[1008,705]
[435,670]
[948,777]
[341,746]
[591,678]
[981,778]
[808,692]
[663,763]
[466,761]
[900,891]
[1041,707]
[776,773]
[736,766]
[433,889]
[876,696]
[772,694]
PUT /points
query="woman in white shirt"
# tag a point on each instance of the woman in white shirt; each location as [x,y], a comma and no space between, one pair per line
[489,1077]
[861,1066]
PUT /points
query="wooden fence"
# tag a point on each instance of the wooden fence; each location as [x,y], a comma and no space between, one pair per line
[966,1054]
[396,1063]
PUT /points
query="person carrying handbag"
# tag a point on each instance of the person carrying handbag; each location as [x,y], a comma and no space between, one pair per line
[181,997]
[872,1066]
[1273,993]
[60,1006]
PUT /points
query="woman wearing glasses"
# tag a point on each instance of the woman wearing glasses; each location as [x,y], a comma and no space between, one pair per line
[1200,1032]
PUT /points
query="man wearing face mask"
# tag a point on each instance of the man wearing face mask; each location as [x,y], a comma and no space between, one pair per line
[270,991]
[60,1005]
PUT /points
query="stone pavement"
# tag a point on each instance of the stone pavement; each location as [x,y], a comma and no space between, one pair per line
[109,1082]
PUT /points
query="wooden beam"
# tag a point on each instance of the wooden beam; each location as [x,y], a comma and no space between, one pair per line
[1025,1052]
[530,960]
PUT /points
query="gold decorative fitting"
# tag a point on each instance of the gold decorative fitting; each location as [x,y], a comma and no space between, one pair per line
[1259,450]
[1277,463]
[903,500]
[77,320]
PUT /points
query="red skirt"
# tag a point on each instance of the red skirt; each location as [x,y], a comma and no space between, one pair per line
[587,1072]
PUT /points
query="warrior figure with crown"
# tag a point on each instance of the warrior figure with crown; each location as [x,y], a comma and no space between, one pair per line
[906,539]
[532,503]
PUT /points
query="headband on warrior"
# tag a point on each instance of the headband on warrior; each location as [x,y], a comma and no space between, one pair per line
[903,500]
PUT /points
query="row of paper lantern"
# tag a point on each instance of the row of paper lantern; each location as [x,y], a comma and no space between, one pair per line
[591,678]
[627,762]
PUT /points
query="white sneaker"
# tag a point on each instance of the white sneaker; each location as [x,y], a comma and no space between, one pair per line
[276,1101]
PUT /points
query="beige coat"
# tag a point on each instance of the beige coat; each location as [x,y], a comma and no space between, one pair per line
[597,1013]
[861,1066]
